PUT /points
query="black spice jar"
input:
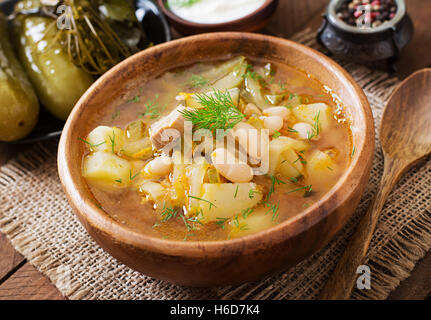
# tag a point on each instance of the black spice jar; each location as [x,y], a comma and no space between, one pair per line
[367,45]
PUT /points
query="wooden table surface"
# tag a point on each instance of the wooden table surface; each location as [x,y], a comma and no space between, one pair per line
[20,280]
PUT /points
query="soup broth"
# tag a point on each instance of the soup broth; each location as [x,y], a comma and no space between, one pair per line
[291,143]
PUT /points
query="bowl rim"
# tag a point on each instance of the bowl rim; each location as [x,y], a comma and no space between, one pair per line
[98,219]
[172,16]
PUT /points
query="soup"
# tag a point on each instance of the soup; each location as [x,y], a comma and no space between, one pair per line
[217,151]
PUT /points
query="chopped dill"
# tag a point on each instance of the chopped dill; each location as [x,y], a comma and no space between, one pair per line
[91,144]
[308,189]
[250,73]
[246,212]
[190,226]
[200,199]
[316,127]
[291,130]
[241,227]
[272,208]
[197,81]
[152,108]
[251,193]
[301,159]
[218,112]
[353,152]
[274,181]
[119,180]
[236,191]
[295,179]
[330,168]
[134,99]
[221,221]
[168,213]
[133,177]
[297,96]
[276,134]
[112,139]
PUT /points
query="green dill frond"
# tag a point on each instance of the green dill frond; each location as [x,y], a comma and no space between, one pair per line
[218,112]
[197,81]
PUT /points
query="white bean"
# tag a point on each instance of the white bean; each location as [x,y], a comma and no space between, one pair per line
[250,140]
[273,123]
[251,109]
[305,131]
[231,168]
[160,166]
[282,112]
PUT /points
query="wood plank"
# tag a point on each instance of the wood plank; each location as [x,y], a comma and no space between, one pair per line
[291,16]
[10,260]
[417,53]
[418,285]
[29,284]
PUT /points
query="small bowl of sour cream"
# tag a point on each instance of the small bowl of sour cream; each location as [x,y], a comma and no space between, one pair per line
[199,16]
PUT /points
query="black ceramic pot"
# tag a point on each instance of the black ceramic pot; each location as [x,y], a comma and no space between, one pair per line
[365,44]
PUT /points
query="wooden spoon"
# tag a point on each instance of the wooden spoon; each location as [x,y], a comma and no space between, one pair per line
[405,136]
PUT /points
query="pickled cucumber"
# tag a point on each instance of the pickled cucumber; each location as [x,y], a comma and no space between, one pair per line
[19,107]
[58,82]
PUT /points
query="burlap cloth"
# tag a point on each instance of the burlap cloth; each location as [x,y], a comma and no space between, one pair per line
[35,216]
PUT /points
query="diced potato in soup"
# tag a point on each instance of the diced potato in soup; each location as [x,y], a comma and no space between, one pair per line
[106,169]
[275,142]
[223,200]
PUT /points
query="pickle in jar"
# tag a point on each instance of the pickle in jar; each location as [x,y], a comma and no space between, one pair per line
[19,107]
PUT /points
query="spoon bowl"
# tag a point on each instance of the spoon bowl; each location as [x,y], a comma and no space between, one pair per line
[406,121]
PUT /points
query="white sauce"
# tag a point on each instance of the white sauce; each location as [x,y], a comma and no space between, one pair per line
[215,11]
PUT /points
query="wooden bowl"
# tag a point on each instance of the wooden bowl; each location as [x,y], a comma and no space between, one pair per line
[218,262]
[252,22]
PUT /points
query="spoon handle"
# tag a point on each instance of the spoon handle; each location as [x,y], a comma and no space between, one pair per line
[340,284]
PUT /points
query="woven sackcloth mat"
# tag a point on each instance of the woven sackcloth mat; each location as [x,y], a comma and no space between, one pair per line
[35,216]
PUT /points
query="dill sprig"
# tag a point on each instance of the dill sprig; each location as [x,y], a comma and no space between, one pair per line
[274,181]
[91,144]
[236,191]
[251,193]
[308,189]
[112,139]
[246,212]
[197,81]
[132,177]
[209,202]
[218,112]
[272,208]
[316,127]
[168,213]
[238,225]
[153,110]
[221,221]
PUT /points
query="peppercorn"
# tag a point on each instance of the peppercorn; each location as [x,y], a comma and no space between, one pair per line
[367,13]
